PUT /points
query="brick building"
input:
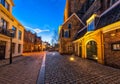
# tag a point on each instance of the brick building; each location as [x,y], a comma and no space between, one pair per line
[32,42]
[38,44]
[98,36]
[29,40]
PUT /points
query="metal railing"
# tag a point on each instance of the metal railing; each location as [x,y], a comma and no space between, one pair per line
[4,32]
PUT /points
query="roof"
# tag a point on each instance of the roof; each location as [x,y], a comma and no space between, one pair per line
[109,16]
[74,14]
[80,33]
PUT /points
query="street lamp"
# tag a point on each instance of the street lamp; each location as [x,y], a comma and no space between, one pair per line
[11,34]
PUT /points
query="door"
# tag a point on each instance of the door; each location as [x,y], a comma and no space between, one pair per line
[92,50]
[2,49]
[80,51]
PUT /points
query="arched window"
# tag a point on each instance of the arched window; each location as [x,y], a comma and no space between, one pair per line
[66,33]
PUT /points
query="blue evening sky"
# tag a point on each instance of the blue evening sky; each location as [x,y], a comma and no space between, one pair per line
[42,16]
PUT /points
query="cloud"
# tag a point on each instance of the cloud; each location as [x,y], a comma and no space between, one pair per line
[37,30]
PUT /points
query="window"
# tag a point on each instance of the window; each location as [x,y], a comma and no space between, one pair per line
[19,35]
[13,48]
[116,46]
[69,26]
[14,29]
[2,2]
[91,26]
[7,6]
[19,48]
[4,24]
[66,33]
[32,39]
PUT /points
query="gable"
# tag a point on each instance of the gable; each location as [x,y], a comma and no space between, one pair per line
[74,20]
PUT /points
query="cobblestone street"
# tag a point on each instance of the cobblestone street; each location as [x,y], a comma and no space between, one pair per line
[23,70]
[62,70]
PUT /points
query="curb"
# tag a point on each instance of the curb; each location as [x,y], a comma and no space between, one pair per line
[41,76]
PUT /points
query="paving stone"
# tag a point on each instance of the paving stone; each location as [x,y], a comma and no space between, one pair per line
[23,70]
[60,70]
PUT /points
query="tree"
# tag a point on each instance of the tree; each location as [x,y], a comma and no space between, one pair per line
[54,39]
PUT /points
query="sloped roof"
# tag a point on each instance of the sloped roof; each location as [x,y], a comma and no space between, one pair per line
[74,14]
[109,16]
[80,33]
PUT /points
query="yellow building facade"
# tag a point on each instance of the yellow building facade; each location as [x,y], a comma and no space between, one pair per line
[98,39]
[7,22]
[101,44]
[96,36]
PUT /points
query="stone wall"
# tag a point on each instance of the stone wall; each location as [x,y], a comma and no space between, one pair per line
[112,57]
[66,46]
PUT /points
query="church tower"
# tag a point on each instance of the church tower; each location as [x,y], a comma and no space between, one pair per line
[67,10]
[72,6]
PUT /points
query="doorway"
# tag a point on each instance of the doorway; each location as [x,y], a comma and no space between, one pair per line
[80,51]
[91,48]
[2,49]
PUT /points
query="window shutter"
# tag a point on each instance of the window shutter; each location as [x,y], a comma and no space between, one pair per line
[69,33]
[62,33]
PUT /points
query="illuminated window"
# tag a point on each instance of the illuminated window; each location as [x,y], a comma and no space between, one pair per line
[91,26]
[116,46]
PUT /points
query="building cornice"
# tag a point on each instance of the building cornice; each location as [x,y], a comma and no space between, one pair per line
[9,15]
[12,2]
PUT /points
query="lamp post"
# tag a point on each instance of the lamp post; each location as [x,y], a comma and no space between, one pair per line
[11,33]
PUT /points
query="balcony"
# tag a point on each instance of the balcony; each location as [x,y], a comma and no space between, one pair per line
[4,32]
[93,8]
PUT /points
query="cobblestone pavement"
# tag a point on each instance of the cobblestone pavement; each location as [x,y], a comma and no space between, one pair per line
[62,70]
[23,70]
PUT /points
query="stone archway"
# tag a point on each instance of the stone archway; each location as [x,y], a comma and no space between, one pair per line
[91,50]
